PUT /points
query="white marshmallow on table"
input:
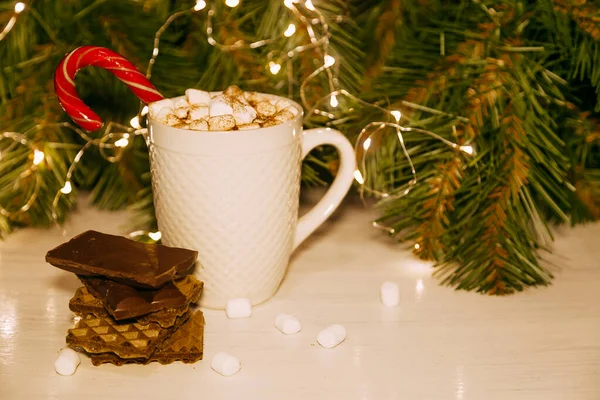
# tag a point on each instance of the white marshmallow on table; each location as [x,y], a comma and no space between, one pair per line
[238,308]
[287,324]
[225,364]
[332,336]
[67,362]
[197,97]
[390,294]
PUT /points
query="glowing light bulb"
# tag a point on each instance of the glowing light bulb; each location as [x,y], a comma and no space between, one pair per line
[333,101]
[329,61]
[155,235]
[358,176]
[19,7]
[417,246]
[38,157]
[309,5]
[135,122]
[67,188]
[123,142]
[144,110]
[467,149]
[291,29]
[274,67]
[367,144]
[232,3]
[397,115]
[289,3]
[200,4]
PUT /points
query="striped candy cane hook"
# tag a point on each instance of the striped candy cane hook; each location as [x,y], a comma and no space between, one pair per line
[119,66]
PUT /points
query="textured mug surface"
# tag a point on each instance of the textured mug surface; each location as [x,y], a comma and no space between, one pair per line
[234,196]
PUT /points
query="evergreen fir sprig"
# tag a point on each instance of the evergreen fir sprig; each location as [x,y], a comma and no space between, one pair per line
[484,222]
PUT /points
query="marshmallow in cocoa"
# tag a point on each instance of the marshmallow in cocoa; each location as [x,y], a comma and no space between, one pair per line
[197,97]
[221,123]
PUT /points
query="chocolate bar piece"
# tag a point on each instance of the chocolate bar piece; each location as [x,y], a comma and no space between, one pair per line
[118,258]
[185,345]
[123,301]
[83,302]
[127,340]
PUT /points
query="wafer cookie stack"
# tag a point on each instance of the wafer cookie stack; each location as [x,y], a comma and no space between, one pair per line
[136,302]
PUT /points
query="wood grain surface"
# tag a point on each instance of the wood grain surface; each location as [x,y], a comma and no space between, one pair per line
[438,344]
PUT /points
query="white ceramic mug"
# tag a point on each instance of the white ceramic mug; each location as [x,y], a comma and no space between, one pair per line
[234,196]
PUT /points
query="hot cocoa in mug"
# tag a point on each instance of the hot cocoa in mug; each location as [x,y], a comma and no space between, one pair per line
[226,172]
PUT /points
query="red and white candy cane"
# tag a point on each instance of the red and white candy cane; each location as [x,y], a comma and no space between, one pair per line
[119,66]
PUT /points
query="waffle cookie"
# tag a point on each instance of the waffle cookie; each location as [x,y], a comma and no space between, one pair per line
[185,345]
[127,340]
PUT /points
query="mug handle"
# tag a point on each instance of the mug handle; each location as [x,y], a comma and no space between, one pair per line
[312,138]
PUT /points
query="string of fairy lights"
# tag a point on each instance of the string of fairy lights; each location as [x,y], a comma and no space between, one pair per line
[309,18]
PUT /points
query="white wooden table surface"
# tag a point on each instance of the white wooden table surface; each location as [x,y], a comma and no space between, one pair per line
[439,344]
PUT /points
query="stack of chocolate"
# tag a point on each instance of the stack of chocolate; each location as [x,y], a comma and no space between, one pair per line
[134,305]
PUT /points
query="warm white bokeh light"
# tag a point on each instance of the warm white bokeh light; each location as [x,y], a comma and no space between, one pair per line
[19,7]
[155,235]
[274,67]
[333,101]
[328,61]
[291,29]
[358,176]
[200,4]
[38,157]
[367,144]
[467,149]
[123,142]
[135,122]
[67,188]
[289,3]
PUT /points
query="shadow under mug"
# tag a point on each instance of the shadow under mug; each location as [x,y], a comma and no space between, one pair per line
[234,197]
